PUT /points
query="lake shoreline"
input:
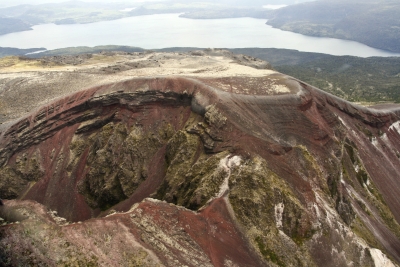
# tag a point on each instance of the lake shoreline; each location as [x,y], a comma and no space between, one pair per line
[170,30]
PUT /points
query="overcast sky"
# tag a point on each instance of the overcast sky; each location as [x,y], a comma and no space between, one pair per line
[35,2]
[4,3]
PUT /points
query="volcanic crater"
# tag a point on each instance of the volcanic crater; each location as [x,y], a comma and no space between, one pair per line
[204,158]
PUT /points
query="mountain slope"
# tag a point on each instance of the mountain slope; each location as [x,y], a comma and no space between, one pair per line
[227,163]
[373,23]
[8,25]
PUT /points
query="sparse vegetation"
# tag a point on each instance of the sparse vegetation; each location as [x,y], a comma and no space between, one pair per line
[371,80]
[268,254]
[363,80]
[370,191]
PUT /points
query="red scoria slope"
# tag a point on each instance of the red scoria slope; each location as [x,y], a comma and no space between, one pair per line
[271,173]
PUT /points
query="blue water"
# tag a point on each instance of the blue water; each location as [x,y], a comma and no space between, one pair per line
[169,30]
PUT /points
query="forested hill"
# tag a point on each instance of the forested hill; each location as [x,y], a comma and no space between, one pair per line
[374,23]
[8,25]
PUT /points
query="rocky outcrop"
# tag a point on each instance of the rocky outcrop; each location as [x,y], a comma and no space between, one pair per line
[176,171]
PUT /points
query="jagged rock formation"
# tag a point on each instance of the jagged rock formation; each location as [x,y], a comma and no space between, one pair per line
[202,171]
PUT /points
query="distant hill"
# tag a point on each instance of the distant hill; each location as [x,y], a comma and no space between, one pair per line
[8,25]
[374,23]
[10,51]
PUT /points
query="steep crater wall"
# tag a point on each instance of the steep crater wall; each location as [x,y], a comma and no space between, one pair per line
[294,170]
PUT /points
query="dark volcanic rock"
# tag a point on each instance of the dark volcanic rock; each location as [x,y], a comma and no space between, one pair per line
[296,178]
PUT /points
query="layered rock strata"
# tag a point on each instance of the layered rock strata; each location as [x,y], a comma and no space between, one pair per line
[186,171]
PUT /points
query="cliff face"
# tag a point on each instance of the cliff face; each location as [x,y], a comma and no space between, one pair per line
[201,171]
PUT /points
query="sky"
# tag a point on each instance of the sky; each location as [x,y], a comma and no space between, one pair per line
[5,3]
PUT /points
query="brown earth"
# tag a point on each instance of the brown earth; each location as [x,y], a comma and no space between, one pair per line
[250,167]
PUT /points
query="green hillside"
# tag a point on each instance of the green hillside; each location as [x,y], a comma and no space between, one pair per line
[374,79]
[374,23]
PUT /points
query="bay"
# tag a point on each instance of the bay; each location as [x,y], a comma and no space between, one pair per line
[170,30]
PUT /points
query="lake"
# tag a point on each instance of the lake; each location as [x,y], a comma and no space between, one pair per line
[169,30]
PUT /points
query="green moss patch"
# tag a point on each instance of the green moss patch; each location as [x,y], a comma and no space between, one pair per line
[268,254]
[118,161]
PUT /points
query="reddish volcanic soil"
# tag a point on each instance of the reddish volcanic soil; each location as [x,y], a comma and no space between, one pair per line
[101,156]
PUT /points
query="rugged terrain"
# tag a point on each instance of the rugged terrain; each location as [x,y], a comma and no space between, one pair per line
[362,80]
[191,159]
